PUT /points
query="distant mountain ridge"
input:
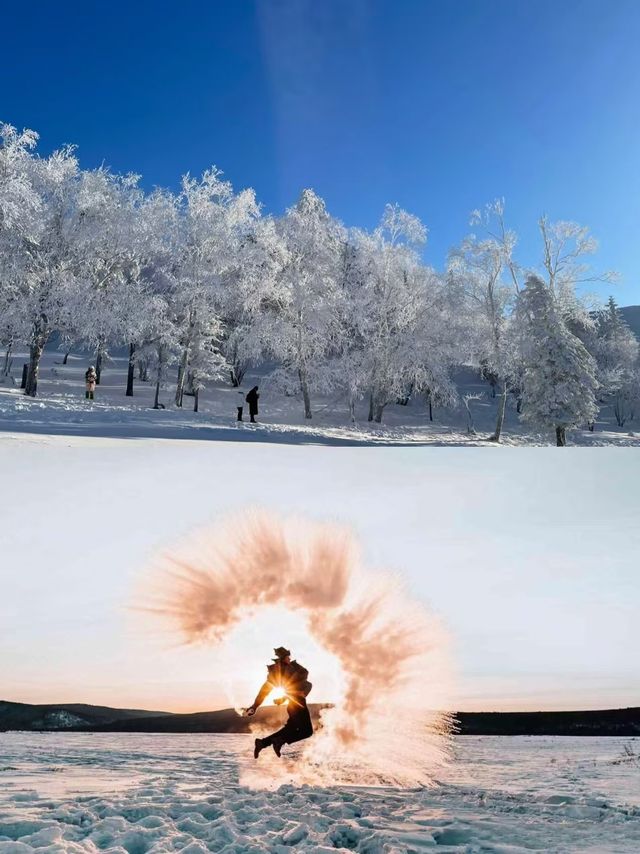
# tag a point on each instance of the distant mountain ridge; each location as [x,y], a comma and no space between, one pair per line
[79,717]
[598,722]
[631,314]
[64,715]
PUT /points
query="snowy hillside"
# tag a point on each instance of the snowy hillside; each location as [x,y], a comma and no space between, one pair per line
[631,315]
[62,716]
[60,408]
[199,286]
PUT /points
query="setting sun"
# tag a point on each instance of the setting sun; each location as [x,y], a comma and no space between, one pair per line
[277,697]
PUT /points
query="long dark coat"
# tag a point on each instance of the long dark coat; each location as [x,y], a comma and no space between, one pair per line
[252,400]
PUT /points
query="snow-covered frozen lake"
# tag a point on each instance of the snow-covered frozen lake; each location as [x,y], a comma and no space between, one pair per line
[68,792]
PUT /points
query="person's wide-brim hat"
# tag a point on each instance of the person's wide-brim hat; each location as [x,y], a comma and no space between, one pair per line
[281,652]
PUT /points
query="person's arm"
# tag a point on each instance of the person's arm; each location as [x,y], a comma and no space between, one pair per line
[260,698]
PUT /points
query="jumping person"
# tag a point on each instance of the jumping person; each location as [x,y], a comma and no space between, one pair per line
[90,379]
[291,677]
[252,400]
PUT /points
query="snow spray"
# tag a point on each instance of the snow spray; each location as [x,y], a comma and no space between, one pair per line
[391,725]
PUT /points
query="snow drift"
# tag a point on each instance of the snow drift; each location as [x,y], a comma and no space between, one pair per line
[390,725]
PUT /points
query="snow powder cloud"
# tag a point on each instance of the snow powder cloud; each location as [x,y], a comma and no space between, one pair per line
[391,723]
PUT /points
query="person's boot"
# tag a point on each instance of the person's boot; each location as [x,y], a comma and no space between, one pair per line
[277,747]
[257,747]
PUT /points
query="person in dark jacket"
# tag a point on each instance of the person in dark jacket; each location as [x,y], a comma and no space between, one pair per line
[252,400]
[292,680]
[90,379]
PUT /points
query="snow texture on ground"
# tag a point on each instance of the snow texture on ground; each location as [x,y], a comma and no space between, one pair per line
[60,408]
[145,794]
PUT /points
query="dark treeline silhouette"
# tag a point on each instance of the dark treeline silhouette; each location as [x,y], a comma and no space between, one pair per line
[48,717]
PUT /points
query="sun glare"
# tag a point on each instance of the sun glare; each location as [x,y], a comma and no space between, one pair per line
[277,694]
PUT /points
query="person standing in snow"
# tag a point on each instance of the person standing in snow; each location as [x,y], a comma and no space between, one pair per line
[291,678]
[90,379]
[252,400]
[240,402]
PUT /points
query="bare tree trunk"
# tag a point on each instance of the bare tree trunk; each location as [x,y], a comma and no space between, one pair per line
[561,437]
[305,393]
[179,386]
[501,410]
[430,405]
[99,358]
[66,357]
[35,353]
[131,369]
[467,400]
[7,358]
[237,374]
[352,408]
[160,374]
[379,409]
[371,396]
[182,373]
[196,395]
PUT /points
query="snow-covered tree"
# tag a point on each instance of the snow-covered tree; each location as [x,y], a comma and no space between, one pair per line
[566,247]
[156,333]
[615,349]
[298,317]
[44,241]
[395,308]
[20,208]
[214,227]
[486,271]
[98,307]
[247,296]
[558,376]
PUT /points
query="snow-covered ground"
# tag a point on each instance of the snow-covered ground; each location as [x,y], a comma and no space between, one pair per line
[60,408]
[145,794]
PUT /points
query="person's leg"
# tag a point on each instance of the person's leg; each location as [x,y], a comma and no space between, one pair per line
[280,735]
[275,740]
[297,728]
[300,725]
[239,413]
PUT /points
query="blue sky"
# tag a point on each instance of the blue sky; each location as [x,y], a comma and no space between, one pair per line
[440,106]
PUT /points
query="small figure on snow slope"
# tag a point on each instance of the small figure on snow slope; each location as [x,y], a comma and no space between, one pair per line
[90,379]
[240,402]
